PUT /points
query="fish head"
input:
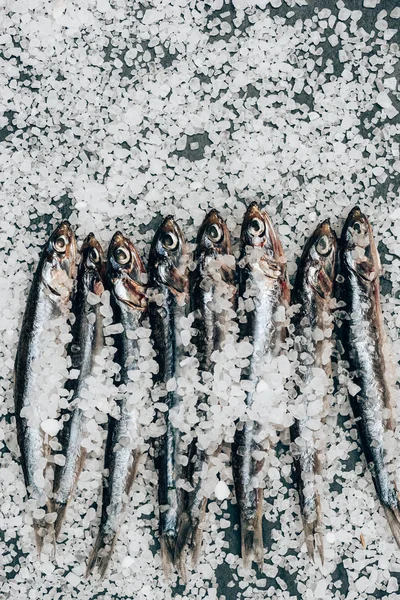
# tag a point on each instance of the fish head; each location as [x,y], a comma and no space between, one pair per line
[260,243]
[318,261]
[93,263]
[213,236]
[358,246]
[167,263]
[126,273]
[213,243]
[59,261]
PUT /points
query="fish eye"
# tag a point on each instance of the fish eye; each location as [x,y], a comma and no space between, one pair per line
[256,227]
[122,255]
[324,245]
[169,240]
[214,232]
[61,243]
[357,227]
[94,255]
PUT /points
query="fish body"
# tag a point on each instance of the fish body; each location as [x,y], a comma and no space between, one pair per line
[48,299]
[87,342]
[262,290]
[125,278]
[211,300]
[363,337]
[168,303]
[313,324]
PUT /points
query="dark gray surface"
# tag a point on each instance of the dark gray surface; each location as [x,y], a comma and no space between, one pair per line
[64,206]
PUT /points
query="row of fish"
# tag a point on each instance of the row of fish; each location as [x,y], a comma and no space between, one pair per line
[255,289]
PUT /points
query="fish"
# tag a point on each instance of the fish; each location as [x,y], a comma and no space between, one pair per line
[126,280]
[363,338]
[210,283]
[87,342]
[312,294]
[48,300]
[168,303]
[262,280]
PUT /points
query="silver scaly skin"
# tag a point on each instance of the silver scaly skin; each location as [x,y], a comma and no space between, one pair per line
[363,337]
[313,325]
[210,282]
[49,297]
[262,281]
[125,276]
[87,342]
[168,303]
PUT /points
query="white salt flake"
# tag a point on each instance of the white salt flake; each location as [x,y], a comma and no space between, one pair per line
[51,426]
[221,491]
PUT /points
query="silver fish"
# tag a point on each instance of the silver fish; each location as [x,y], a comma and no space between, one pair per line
[168,302]
[125,277]
[363,336]
[87,341]
[262,280]
[313,324]
[211,281]
[49,296]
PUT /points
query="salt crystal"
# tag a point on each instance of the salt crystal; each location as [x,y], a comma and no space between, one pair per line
[51,426]
[221,491]
[383,100]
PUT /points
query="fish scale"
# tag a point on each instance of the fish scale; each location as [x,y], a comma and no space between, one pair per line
[168,304]
[210,278]
[121,458]
[363,337]
[262,277]
[87,341]
[48,298]
[312,293]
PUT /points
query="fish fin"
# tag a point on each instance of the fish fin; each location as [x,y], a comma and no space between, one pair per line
[61,507]
[167,543]
[313,539]
[393,517]
[182,537]
[38,525]
[313,532]
[197,534]
[251,535]
[136,456]
[101,553]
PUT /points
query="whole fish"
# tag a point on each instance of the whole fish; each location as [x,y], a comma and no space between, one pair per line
[125,278]
[313,324]
[263,289]
[87,342]
[168,303]
[48,299]
[211,299]
[363,337]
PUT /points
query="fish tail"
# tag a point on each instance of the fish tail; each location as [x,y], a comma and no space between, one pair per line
[393,517]
[167,543]
[39,527]
[313,532]
[60,509]
[184,528]
[197,534]
[101,553]
[251,535]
